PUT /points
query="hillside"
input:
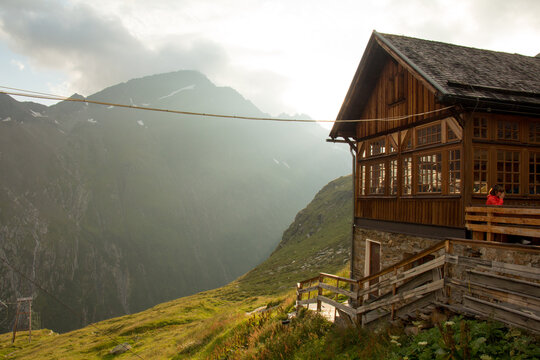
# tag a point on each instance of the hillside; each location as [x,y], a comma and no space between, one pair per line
[192,327]
[115,210]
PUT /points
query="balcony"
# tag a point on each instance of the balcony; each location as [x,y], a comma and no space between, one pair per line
[486,222]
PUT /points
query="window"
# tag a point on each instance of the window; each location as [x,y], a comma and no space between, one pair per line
[362,180]
[429,173]
[377,147]
[534,132]
[454,172]
[534,173]
[377,178]
[407,176]
[428,135]
[450,134]
[480,171]
[507,130]
[508,170]
[392,146]
[480,129]
[393,178]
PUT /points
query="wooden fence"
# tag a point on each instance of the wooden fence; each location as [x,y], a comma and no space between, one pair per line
[465,276]
[492,220]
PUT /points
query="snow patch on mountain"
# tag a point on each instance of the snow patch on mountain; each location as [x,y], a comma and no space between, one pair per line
[36,114]
[190,87]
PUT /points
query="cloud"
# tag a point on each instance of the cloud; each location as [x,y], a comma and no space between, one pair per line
[17,64]
[97,50]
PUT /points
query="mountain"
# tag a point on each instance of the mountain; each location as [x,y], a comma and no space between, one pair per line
[196,326]
[114,210]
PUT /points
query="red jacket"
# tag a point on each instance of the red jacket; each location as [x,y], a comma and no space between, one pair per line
[494,200]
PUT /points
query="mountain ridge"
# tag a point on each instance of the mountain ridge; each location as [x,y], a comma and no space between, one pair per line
[116,210]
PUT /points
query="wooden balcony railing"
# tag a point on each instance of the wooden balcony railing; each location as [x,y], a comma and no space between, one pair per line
[485,221]
[466,276]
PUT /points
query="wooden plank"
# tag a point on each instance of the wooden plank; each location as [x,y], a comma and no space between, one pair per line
[504,230]
[410,308]
[306,302]
[335,277]
[503,313]
[417,292]
[529,272]
[410,260]
[503,210]
[497,245]
[473,262]
[418,270]
[307,290]
[479,290]
[343,307]
[338,290]
[503,219]
[316,278]
[505,283]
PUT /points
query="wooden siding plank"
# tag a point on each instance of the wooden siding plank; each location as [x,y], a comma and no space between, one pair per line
[417,292]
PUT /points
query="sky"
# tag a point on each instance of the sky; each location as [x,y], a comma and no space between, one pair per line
[286,56]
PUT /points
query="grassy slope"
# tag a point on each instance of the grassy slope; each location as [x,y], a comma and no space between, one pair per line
[192,327]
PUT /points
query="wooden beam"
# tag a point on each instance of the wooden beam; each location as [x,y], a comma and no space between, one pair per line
[343,307]
[306,302]
[504,220]
[307,290]
[417,292]
[338,290]
[504,210]
[503,313]
[509,230]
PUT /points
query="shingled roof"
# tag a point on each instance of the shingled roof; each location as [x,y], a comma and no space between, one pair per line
[458,74]
[469,72]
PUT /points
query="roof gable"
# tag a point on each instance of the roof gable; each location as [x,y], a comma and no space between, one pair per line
[456,74]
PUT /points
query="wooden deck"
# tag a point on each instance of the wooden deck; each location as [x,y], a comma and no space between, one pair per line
[466,276]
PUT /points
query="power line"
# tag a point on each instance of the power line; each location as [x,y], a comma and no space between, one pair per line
[64,304]
[35,94]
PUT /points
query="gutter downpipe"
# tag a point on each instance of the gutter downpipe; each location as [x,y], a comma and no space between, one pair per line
[353,207]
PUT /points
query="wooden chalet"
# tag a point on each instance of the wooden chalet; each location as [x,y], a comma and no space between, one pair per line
[442,124]
[432,126]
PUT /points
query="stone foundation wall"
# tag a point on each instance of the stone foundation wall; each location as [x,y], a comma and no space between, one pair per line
[394,247]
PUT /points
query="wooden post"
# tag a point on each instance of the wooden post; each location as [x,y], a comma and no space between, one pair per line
[298,297]
[359,302]
[336,299]
[394,289]
[319,293]
[448,249]
[15,324]
[489,234]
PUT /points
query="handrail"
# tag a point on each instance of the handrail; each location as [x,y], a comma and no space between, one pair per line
[408,261]
[340,278]
[504,209]
[429,281]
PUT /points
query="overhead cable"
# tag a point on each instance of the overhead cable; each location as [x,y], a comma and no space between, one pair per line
[34,94]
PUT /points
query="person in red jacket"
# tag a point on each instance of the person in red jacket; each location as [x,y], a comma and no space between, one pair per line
[496,195]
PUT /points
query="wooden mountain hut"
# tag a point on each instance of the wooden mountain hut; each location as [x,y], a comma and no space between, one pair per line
[432,127]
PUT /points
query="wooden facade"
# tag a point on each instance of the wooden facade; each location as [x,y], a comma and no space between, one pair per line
[425,148]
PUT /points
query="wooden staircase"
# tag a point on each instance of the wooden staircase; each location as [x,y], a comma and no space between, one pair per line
[486,279]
